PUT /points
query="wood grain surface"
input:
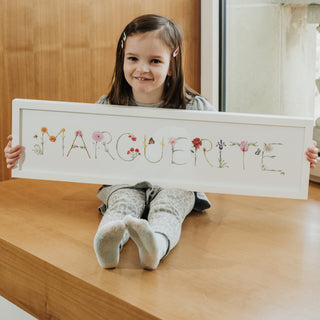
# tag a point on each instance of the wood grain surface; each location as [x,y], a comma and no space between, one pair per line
[65,50]
[245,258]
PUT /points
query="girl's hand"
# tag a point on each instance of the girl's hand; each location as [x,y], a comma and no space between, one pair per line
[12,154]
[312,154]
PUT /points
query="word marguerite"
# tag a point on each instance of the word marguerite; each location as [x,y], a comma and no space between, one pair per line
[128,147]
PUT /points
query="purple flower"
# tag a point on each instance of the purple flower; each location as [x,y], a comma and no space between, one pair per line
[221,144]
[97,136]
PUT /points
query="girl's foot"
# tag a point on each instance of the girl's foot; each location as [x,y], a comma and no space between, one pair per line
[107,243]
[152,245]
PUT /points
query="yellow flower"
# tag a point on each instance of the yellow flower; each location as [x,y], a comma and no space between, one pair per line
[52,138]
[44,130]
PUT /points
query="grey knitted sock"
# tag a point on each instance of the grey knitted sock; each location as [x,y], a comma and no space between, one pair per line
[152,245]
[107,243]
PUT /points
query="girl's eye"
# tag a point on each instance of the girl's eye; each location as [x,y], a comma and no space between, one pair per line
[132,58]
[156,61]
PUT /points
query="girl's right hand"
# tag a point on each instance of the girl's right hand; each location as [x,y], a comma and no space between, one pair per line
[12,154]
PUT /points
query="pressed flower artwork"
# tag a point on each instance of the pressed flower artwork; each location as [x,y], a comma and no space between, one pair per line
[267,149]
[154,149]
[244,148]
[38,148]
[196,144]
[78,134]
[99,139]
[198,151]
[132,152]
[222,163]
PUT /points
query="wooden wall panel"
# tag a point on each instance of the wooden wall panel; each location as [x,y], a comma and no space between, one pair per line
[65,50]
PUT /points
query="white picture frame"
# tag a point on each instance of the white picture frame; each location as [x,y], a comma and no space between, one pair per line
[205,151]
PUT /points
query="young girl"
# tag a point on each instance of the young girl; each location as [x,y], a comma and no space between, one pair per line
[148,73]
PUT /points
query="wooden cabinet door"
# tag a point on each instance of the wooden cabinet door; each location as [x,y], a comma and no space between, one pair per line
[66,50]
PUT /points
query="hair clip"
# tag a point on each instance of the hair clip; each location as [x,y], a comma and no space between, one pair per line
[175,52]
[124,37]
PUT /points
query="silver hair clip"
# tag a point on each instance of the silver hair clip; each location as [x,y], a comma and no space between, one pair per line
[124,37]
[175,52]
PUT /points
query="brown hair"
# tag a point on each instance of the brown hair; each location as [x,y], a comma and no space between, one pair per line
[176,94]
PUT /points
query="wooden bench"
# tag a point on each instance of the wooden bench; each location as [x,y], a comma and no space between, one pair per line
[245,258]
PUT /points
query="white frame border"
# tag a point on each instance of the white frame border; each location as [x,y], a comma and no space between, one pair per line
[20,105]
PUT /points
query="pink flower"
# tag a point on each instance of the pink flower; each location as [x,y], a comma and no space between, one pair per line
[97,136]
[79,133]
[197,143]
[244,146]
[173,142]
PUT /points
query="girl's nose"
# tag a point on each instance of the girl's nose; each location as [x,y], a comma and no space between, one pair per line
[143,67]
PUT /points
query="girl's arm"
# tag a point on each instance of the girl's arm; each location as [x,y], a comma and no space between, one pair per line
[12,154]
[312,154]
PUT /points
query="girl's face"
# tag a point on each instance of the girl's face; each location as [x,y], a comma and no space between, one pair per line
[146,66]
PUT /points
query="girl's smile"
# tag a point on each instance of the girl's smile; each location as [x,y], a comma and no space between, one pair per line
[142,79]
[146,66]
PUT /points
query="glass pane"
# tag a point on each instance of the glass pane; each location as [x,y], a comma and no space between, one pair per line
[270,58]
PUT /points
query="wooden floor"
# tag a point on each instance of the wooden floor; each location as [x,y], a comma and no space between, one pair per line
[246,258]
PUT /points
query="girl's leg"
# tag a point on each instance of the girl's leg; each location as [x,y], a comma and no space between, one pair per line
[157,236]
[111,235]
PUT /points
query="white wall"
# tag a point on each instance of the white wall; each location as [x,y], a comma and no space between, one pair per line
[210,50]
[9,311]
[270,62]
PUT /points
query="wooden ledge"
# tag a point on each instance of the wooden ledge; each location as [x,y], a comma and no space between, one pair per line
[245,258]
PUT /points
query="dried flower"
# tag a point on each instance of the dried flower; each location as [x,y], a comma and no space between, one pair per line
[267,148]
[221,144]
[97,136]
[244,146]
[173,142]
[197,143]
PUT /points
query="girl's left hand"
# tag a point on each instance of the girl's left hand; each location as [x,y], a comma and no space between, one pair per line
[312,154]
